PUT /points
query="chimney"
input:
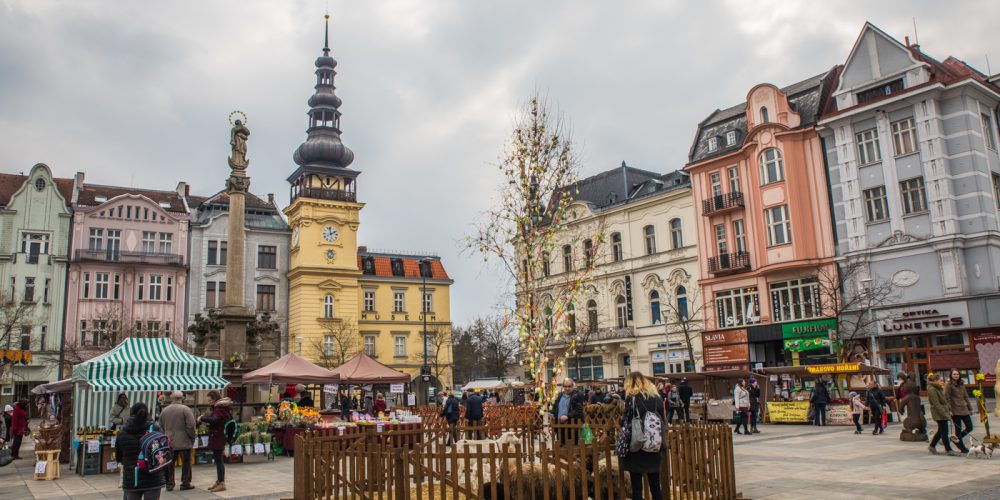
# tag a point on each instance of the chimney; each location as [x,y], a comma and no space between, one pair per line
[906,40]
[270,199]
[183,189]
[77,186]
[362,249]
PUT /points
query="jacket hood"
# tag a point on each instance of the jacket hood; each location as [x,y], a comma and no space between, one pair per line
[224,403]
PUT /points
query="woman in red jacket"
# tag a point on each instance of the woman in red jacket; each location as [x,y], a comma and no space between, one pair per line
[18,427]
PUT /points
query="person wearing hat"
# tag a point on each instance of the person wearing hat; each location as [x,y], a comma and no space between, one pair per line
[178,424]
[857,409]
[8,411]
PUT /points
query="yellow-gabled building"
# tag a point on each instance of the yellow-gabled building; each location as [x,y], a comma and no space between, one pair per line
[340,295]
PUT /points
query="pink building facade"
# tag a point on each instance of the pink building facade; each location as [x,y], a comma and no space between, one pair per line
[764,229]
[128,267]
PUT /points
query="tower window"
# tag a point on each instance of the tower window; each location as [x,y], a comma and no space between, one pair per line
[40,184]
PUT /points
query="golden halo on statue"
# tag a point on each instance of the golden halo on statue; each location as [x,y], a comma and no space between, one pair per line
[241,114]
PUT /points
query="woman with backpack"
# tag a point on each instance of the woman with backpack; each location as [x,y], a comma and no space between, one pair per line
[217,435]
[642,398]
[137,483]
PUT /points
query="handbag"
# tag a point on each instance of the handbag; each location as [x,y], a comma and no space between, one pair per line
[638,434]
[624,442]
[812,412]
[6,456]
[586,434]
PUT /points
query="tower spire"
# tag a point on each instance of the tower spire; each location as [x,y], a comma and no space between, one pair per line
[326,35]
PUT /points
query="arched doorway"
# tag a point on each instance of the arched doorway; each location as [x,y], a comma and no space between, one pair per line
[421,389]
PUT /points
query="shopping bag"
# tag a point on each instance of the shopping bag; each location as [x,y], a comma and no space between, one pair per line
[885,419]
[586,435]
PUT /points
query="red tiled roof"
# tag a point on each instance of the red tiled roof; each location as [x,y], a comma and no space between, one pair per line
[90,192]
[10,183]
[411,266]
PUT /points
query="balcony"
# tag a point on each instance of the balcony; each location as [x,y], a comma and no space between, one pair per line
[325,194]
[722,203]
[155,259]
[729,263]
[601,335]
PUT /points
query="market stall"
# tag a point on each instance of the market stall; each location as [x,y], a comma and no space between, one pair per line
[139,368]
[713,391]
[362,370]
[789,402]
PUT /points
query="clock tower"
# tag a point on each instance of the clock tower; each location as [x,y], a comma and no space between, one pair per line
[324,216]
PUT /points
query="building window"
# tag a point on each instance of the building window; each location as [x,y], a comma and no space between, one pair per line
[720,240]
[166,241]
[86,286]
[148,242]
[548,319]
[368,265]
[170,288]
[772,168]
[904,138]
[567,258]
[988,136]
[400,346]
[96,242]
[586,368]
[591,315]
[155,287]
[879,91]
[101,281]
[730,138]
[114,248]
[795,299]
[571,317]
[763,114]
[650,235]
[45,291]
[621,311]
[713,144]
[654,308]
[328,307]
[616,245]
[676,234]
[737,307]
[370,345]
[996,189]
[779,225]
[25,338]
[912,193]
[217,251]
[546,268]
[267,257]
[33,245]
[215,294]
[29,289]
[265,297]
[397,267]
[734,179]
[740,235]
[876,206]
[116,289]
[868,147]
[369,301]
[682,303]
[399,302]
[40,184]
[715,178]
[428,302]
[588,253]
[328,345]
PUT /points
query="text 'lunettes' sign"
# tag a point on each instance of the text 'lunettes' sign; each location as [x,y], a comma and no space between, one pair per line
[931,318]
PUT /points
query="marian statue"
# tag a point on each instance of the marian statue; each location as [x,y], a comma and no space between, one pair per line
[238,140]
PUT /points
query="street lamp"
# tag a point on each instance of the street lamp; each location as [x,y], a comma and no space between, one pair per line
[425,370]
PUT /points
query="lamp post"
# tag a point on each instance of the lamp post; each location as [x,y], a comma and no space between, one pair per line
[425,370]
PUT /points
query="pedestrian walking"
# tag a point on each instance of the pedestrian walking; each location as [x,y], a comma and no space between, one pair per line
[119,411]
[674,404]
[451,413]
[641,397]
[137,483]
[741,401]
[686,392]
[754,391]
[18,427]
[474,415]
[568,409]
[819,399]
[217,442]
[877,404]
[857,410]
[179,425]
[940,412]
[960,406]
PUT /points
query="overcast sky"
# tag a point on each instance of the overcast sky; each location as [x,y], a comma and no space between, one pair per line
[138,92]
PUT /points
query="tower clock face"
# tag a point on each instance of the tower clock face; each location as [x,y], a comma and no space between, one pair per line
[330,234]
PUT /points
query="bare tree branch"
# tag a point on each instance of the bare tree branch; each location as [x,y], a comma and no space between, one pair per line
[687,321]
[851,293]
[344,344]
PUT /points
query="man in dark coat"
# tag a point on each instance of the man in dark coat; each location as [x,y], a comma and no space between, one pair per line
[568,409]
[178,424]
[137,483]
[685,391]
[451,413]
[474,414]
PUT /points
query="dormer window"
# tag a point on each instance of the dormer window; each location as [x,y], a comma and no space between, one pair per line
[730,138]
[397,267]
[763,114]
[100,199]
[40,184]
[425,269]
[880,91]
[713,144]
[163,204]
[368,265]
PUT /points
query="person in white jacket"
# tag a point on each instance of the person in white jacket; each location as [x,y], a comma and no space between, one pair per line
[741,400]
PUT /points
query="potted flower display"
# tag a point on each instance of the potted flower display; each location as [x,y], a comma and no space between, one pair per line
[237,359]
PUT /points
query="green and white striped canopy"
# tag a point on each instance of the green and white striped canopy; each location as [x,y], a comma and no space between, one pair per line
[139,365]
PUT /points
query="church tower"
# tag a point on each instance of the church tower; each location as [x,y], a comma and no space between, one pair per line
[323,215]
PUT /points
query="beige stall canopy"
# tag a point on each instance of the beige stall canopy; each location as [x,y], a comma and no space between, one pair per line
[365,370]
[291,369]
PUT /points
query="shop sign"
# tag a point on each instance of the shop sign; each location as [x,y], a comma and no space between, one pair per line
[821,327]
[788,412]
[723,337]
[987,346]
[678,355]
[807,343]
[931,318]
[839,415]
[727,354]
[834,368]
[659,356]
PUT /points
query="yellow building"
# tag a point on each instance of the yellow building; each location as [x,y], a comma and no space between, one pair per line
[342,297]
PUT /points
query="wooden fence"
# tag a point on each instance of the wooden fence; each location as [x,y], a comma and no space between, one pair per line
[525,462]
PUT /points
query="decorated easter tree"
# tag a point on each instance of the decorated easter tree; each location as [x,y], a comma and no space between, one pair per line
[529,222]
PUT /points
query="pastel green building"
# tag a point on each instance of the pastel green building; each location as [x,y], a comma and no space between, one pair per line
[34,242]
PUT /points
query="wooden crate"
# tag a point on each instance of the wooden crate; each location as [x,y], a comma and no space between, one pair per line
[51,461]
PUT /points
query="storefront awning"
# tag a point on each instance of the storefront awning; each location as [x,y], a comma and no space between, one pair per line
[825,369]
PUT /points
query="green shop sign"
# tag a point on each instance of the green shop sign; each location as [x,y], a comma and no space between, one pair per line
[808,335]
